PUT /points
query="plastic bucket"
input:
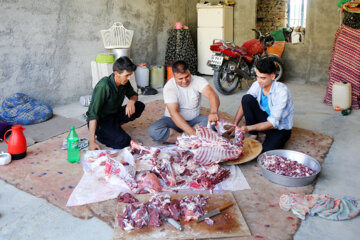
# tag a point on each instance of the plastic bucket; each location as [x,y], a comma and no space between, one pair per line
[120,52]
[85,100]
[341,95]
[157,76]
[105,58]
[142,75]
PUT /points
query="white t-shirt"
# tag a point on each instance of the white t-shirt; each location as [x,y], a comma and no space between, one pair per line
[188,98]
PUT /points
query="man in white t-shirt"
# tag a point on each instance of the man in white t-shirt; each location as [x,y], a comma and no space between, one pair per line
[182,97]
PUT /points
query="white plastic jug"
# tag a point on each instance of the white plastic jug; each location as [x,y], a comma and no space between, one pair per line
[142,75]
[157,76]
[341,95]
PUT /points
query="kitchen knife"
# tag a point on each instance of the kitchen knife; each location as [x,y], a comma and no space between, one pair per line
[175,224]
[215,211]
[172,222]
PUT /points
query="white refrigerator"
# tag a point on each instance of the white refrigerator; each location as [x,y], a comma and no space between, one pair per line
[214,22]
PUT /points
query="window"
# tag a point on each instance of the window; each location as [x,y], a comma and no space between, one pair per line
[297,13]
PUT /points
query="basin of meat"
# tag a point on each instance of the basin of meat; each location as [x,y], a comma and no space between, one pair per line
[288,168]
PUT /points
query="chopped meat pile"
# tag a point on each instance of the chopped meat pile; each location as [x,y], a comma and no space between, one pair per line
[152,213]
[178,168]
[283,166]
[193,207]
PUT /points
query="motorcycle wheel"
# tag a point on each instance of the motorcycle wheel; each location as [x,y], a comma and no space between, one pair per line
[279,67]
[225,81]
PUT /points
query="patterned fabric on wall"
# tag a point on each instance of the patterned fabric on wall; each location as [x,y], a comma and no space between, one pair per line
[180,46]
[345,62]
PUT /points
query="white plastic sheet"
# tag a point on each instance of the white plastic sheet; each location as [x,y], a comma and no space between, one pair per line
[94,188]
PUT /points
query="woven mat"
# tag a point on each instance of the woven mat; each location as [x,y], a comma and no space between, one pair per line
[46,173]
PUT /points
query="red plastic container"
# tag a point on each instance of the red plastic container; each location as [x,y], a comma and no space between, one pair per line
[169,73]
[17,142]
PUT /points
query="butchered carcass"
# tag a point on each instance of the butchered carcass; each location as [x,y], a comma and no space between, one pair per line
[162,167]
[208,147]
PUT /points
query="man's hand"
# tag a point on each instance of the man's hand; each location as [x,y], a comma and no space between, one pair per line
[213,117]
[94,146]
[245,129]
[230,132]
[130,108]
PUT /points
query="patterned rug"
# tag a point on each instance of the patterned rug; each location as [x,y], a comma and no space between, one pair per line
[45,173]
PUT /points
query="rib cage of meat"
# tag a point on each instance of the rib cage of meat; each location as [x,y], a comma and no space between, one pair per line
[208,147]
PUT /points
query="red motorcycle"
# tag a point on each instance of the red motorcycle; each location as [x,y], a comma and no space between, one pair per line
[232,64]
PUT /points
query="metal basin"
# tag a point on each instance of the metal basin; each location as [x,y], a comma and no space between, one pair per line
[293,156]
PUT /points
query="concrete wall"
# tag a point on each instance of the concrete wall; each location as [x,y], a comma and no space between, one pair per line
[46,45]
[309,62]
[244,20]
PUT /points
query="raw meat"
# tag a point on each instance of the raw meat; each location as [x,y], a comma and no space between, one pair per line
[162,167]
[148,182]
[223,126]
[154,217]
[143,150]
[126,198]
[151,213]
[208,180]
[125,221]
[283,166]
[208,147]
[116,171]
[169,208]
[192,207]
[140,216]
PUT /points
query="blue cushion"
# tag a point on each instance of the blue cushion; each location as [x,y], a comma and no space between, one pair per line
[21,109]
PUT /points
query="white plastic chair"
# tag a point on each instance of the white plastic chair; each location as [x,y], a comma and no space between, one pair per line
[117,36]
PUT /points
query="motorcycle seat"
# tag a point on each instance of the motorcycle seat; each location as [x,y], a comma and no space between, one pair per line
[241,50]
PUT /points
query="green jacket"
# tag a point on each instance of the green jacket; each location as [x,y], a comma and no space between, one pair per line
[107,99]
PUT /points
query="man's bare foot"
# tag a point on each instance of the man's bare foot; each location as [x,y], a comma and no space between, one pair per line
[173,136]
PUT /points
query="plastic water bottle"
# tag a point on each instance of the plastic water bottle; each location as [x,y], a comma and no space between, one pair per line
[73,146]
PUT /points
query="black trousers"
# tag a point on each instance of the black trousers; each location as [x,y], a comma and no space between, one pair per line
[275,139]
[109,130]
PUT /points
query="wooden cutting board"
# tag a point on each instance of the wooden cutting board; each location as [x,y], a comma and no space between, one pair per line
[230,223]
[252,148]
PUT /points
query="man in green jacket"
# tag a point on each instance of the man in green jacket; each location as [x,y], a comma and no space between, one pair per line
[106,113]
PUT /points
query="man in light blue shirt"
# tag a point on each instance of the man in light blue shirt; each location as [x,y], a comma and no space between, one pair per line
[267,107]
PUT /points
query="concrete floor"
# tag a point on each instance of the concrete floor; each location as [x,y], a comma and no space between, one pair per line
[23,216]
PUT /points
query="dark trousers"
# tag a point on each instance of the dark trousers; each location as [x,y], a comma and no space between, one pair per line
[275,139]
[109,130]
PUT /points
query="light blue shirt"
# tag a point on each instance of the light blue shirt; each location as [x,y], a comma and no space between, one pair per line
[280,104]
[264,103]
